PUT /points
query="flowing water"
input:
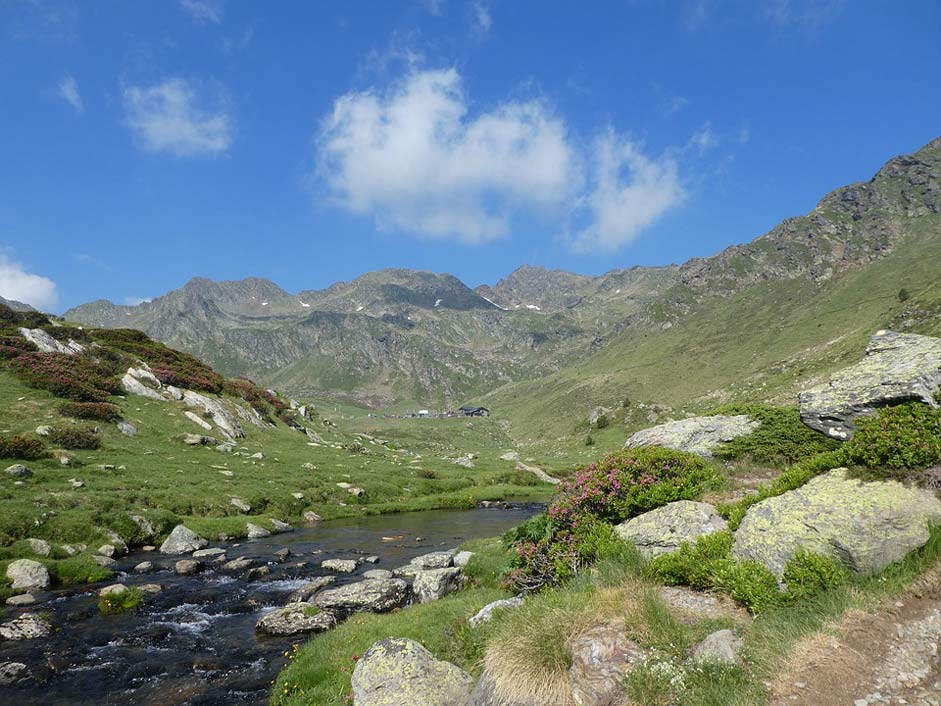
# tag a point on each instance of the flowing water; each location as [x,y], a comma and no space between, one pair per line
[195,642]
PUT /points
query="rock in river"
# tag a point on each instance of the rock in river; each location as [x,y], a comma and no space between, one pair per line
[296,618]
[372,595]
[182,540]
[25,627]
[400,672]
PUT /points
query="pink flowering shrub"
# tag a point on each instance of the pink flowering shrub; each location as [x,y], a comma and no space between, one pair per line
[73,377]
[576,529]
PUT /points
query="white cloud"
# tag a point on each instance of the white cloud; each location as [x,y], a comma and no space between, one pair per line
[482,18]
[137,301]
[433,6]
[16,283]
[68,91]
[703,139]
[805,14]
[744,135]
[171,117]
[414,159]
[628,193]
[204,10]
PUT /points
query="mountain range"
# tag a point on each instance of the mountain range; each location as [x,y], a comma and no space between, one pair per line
[543,340]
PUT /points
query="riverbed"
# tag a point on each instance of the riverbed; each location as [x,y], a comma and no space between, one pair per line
[195,643]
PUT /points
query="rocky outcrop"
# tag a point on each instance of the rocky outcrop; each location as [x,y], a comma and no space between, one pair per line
[400,672]
[898,367]
[664,529]
[371,595]
[223,419]
[133,385]
[865,526]
[432,584]
[294,619]
[47,344]
[27,575]
[182,540]
[601,658]
[698,435]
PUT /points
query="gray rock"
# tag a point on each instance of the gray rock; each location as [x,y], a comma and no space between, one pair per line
[39,547]
[698,435]
[188,567]
[435,560]
[341,566]
[664,529]
[182,540]
[237,565]
[240,505]
[27,575]
[310,517]
[196,419]
[485,614]
[720,647]
[146,527]
[601,658]
[134,386]
[258,573]
[294,619]
[104,561]
[26,627]
[13,673]
[400,672]
[377,574]
[114,589]
[127,428]
[210,552]
[485,694]
[432,584]
[200,440]
[510,456]
[370,595]
[865,526]
[282,554]
[21,599]
[467,461]
[256,531]
[145,567]
[44,430]
[18,470]
[108,550]
[305,592]
[279,527]
[221,417]
[898,367]
[49,344]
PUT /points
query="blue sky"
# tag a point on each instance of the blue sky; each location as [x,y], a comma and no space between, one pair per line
[142,144]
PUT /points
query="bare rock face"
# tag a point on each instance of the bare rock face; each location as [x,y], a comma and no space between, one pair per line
[47,344]
[223,419]
[698,435]
[601,658]
[664,529]
[864,526]
[898,367]
[400,672]
[296,618]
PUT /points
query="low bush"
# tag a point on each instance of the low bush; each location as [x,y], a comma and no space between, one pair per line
[73,377]
[74,438]
[781,438]
[808,574]
[100,411]
[904,437]
[13,346]
[21,447]
[11,320]
[122,602]
[576,531]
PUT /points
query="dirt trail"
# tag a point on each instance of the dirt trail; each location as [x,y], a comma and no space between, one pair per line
[891,657]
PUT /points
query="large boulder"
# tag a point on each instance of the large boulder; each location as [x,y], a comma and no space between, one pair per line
[698,435]
[400,672]
[26,627]
[371,595]
[27,575]
[865,526]
[601,658]
[898,367]
[223,419]
[432,584]
[296,618]
[182,540]
[664,529]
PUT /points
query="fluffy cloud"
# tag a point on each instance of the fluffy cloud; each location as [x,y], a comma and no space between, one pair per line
[627,193]
[204,10]
[413,158]
[172,117]
[16,283]
[68,91]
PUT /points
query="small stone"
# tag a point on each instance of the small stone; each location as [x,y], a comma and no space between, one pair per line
[182,540]
[297,496]
[114,589]
[150,589]
[256,531]
[282,554]
[341,566]
[103,561]
[237,565]
[188,567]
[21,599]
[18,470]
[39,546]
[280,527]
[204,553]
[127,428]
[312,517]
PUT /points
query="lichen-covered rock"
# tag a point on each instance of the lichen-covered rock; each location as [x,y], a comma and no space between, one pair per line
[27,575]
[371,595]
[898,367]
[698,435]
[296,618]
[305,592]
[719,647]
[26,627]
[601,658]
[485,614]
[664,529]
[400,672]
[432,584]
[182,540]
[865,526]
[341,566]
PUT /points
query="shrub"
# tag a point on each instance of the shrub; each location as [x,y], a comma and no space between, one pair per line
[602,421]
[781,438]
[589,441]
[13,346]
[122,602]
[808,574]
[101,411]
[21,447]
[73,377]
[74,438]
[11,320]
[749,582]
[904,295]
[904,437]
